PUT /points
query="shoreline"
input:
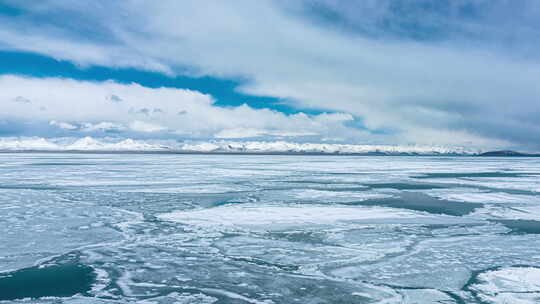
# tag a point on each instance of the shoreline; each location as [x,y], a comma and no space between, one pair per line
[269,153]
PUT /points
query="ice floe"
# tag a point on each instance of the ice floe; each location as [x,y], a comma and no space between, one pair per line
[252,215]
[516,285]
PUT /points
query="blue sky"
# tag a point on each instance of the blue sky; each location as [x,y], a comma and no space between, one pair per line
[458,72]
[223,90]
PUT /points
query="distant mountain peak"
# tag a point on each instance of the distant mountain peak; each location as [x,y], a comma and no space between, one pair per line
[507,153]
[87,144]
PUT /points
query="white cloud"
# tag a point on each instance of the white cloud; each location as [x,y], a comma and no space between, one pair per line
[62,125]
[102,126]
[247,133]
[429,92]
[86,107]
[239,133]
[141,126]
[88,126]
[21,99]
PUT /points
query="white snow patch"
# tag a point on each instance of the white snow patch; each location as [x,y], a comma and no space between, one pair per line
[235,296]
[181,298]
[102,280]
[81,144]
[477,196]
[515,213]
[516,285]
[251,215]
[309,194]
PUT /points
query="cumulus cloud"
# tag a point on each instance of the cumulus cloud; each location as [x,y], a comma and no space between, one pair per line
[82,106]
[63,125]
[115,98]
[141,126]
[21,99]
[103,126]
[467,80]
[248,133]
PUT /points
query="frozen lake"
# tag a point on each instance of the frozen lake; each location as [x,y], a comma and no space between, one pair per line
[119,228]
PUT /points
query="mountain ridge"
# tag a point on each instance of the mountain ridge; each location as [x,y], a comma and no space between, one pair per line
[107,145]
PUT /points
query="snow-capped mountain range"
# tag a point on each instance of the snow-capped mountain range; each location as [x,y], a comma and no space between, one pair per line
[89,144]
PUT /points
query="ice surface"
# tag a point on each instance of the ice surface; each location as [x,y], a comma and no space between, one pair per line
[166,228]
[483,196]
[518,285]
[265,217]
[336,196]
